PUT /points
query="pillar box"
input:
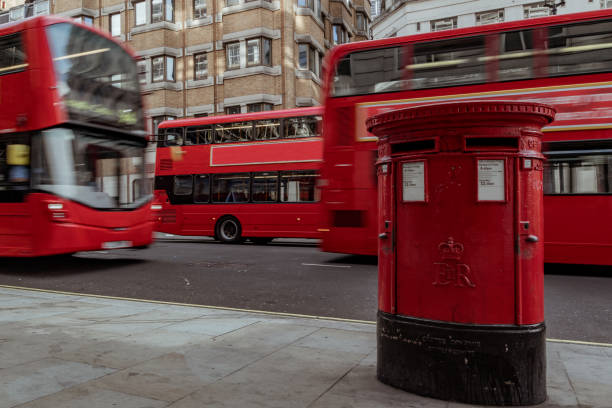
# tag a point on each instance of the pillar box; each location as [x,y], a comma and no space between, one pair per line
[461,311]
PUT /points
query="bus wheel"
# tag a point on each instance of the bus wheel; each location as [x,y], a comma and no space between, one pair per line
[261,240]
[229,230]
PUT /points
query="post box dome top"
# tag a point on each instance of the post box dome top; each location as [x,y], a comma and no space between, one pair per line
[468,113]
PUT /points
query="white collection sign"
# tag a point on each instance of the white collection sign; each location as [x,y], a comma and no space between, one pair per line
[491,180]
[413,181]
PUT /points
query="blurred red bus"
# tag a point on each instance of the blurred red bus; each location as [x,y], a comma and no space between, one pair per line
[72,141]
[565,61]
[247,175]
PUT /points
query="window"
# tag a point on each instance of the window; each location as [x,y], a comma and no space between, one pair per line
[14,168]
[200,115]
[232,110]
[163,68]
[339,34]
[85,20]
[172,136]
[183,185]
[159,119]
[115,24]
[199,9]
[229,3]
[516,55]
[604,3]
[580,48]
[233,132]
[444,24]
[200,66]
[259,51]
[588,174]
[267,129]
[259,107]
[200,134]
[162,10]
[308,58]
[306,126]
[12,56]
[297,186]
[230,188]
[448,63]
[362,22]
[140,13]
[201,192]
[488,17]
[536,10]
[142,72]
[264,187]
[232,52]
[306,4]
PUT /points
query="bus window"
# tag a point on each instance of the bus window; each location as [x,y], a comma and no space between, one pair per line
[233,132]
[298,186]
[12,56]
[588,174]
[305,126]
[264,187]
[230,188]
[448,63]
[515,59]
[199,135]
[371,71]
[201,189]
[267,129]
[14,169]
[172,136]
[183,185]
[580,48]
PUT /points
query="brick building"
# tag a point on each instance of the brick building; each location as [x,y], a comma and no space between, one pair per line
[206,57]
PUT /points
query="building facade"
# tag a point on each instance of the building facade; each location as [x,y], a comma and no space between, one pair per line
[209,57]
[407,17]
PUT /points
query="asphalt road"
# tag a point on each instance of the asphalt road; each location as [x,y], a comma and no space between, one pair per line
[286,276]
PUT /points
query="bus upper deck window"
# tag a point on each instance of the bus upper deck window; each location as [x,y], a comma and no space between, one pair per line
[580,48]
[516,55]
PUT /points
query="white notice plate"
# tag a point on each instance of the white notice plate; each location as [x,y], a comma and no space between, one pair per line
[413,181]
[117,244]
[491,180]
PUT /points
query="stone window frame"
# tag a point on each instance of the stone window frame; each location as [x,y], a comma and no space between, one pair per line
[364,21]
[135,5]
[313,59]
[197,12]
[111,25]
[227,55]
[156,120]
[344,34]
[165,59]
[228,110]
[197,77]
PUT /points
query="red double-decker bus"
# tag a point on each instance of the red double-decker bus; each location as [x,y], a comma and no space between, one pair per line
[564,61]
[240,176]
[72,142]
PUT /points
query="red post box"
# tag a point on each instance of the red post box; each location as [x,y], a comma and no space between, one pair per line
[461,313]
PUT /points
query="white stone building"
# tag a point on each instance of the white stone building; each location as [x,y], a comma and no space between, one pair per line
[407,17]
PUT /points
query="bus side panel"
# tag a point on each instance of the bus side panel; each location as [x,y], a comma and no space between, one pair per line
[15,229]
[571,234]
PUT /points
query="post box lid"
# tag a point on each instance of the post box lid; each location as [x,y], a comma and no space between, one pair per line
[443,115]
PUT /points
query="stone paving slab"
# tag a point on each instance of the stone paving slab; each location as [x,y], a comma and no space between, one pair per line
[61,350]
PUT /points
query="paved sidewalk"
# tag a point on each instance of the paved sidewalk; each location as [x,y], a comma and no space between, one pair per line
[73,351]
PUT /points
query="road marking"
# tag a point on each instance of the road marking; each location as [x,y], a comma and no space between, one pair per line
[235,309]
[327,266]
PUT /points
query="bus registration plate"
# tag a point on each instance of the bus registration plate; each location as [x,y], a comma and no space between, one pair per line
[116,244]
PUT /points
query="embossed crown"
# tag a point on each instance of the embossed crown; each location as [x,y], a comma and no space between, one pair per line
[451,249]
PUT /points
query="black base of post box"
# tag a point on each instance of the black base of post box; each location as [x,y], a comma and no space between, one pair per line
[475,364]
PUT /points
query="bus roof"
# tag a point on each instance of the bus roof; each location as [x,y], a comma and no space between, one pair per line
[46,20]
[243,117]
